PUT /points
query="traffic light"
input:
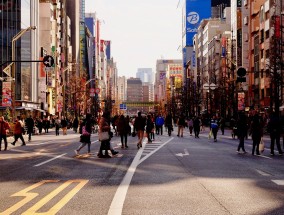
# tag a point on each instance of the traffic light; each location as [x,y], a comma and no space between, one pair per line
[241,79]
[241,73]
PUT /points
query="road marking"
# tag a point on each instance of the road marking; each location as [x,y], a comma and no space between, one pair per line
[119,197]
[30,196]
[40,164]
[279,182]
[263,173]
[54,193]
[148,155]
[181,154]
[25,193]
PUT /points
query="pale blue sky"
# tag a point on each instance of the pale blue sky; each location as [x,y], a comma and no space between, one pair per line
[141,31]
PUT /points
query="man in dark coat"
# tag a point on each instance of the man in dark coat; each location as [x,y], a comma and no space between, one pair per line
[274,127]
[30,126]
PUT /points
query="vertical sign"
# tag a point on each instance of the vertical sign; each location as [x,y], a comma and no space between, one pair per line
[277,27]
[241,101]
[6,94]
[196,11]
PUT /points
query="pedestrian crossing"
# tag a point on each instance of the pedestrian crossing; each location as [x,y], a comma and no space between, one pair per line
[150,147]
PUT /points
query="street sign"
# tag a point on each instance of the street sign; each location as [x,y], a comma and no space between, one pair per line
[48,61]
[92,92]
[97,90]
[122,106]
[49,69]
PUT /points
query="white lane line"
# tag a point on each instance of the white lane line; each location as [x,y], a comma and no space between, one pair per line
[148,155]
[119,197]
[263,173]
[279,182]
[49,160]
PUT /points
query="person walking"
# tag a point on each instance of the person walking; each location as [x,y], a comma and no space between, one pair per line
[39,125]
[274,128]
[214,127]
[222,125]
[104,126]
[57,124]
[122,129]
[46,125]
[159,124]
[75,124]
[149,127]
[18,132]
[85,137]
[242,131]
[139,126]
[64,125]
[190,126]
[30,127]
[256,133]
[181,124]
[4,127]
[169,123]
[196,127]
[152,134]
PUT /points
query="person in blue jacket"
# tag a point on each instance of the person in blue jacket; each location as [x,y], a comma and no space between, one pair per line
[159,124]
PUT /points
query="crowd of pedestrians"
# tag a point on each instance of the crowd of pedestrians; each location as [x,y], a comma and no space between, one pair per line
[148,126]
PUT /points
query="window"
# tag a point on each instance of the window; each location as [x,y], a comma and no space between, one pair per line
[267,34]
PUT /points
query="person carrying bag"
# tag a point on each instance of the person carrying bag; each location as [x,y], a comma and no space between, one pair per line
[85,137]
[104,129]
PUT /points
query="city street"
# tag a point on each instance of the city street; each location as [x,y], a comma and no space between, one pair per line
[171,175]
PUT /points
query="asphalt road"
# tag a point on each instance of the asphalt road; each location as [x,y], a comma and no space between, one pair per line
[172,175]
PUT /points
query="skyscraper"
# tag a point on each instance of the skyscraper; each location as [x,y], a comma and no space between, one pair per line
[146,75]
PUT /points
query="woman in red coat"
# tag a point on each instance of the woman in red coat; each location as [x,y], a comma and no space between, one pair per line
[18,132]
[4,126]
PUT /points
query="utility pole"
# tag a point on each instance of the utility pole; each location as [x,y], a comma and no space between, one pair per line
[233,75]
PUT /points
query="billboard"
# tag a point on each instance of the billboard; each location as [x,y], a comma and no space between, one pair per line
[195,11]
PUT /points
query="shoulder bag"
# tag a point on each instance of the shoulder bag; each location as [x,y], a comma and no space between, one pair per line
[103,135]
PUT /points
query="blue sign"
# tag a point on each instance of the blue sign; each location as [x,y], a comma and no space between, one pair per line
[122,106]
[195,11]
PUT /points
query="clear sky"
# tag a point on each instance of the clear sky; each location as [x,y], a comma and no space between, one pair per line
[141,31]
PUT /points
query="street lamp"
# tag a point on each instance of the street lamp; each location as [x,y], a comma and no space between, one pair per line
[15,38]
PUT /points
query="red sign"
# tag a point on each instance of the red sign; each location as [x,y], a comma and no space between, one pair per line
[277,27]
[97,90]
[6,94]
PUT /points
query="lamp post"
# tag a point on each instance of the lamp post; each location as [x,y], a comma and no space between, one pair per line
[15,38]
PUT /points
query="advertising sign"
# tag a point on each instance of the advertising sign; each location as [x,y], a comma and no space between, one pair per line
[162,75]
[108,48]
[241,101]
[6,94]
[195,12]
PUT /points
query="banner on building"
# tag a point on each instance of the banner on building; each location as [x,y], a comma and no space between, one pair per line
[6,94]
[241,101]
[196,11]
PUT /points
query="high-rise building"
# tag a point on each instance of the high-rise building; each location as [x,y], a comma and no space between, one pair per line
[134,90]
[146,75]
[17,17]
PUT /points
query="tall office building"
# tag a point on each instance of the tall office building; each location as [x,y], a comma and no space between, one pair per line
[146,75]
[18,16]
